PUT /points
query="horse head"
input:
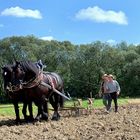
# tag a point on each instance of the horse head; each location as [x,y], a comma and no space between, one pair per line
[12,76]
[8,76]
[18,71]
[25,70]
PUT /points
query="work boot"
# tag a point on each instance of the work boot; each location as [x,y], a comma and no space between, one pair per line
[116,109]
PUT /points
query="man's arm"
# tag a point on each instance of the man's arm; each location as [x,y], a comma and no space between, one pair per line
[118,88]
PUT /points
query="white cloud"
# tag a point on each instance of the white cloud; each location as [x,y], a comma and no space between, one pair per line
[136,44]
[49,38]
[1,25]
[111,41]
[20,12]
[99,15]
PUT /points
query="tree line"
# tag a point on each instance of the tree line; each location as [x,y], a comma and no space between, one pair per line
[81,66]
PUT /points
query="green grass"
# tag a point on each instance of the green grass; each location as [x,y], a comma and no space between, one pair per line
[97,103]
[8,109]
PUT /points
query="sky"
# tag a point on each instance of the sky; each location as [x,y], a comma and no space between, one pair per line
[77,21]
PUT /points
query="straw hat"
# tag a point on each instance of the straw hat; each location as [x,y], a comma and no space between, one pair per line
[110,75]
[105,75]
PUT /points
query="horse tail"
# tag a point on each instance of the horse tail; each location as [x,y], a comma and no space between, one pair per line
[61,100]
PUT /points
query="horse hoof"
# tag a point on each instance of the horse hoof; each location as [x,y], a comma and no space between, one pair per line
[18,121]
[38,118]
[44,118]
[56,118]
[29,119]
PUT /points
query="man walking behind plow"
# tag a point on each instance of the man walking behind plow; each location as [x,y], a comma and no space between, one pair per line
[104,92]
[113,88]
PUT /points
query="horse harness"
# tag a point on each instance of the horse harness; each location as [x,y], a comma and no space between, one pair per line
[36,81]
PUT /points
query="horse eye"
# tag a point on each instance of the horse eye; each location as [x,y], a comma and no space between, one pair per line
[5,73]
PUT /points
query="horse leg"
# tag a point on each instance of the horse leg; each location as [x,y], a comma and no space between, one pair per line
[16,107]
[42,104]
[40,110]
[61,99]
[41,114]
[45,106]
[31,118]
[45,110]
[24,111]
[57,101]
[54,101]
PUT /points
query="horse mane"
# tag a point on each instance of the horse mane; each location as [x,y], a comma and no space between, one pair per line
[29,68]
[7,67]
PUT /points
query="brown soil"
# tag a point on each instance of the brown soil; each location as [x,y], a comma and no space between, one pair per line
[134,101]
[124,125]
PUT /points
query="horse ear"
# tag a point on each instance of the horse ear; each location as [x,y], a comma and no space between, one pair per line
[17,63]
[2,67]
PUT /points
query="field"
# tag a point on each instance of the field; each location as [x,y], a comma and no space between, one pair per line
[8,110]
[124,125]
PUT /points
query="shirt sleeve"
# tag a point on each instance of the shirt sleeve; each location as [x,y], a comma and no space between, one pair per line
[118,87]
[106,88]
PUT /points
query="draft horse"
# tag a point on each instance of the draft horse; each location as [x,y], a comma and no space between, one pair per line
[15,94]
[31,79]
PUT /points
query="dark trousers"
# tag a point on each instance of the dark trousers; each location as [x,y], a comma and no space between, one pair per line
[114,96]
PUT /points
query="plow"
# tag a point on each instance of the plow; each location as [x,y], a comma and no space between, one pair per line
[77,108]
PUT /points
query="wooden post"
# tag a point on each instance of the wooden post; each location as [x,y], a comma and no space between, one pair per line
[90,94]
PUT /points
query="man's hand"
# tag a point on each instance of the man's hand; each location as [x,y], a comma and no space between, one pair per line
[118,93]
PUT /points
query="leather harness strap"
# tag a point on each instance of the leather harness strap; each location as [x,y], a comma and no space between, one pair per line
[33,83]
[52,80]
[29,84]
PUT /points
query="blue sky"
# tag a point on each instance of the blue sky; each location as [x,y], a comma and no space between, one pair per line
[78,21]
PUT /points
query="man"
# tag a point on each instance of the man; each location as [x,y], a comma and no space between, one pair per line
[40,65]
[104,91]
[113,88]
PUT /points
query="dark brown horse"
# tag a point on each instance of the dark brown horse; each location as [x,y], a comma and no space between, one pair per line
[15,94]
[30,78]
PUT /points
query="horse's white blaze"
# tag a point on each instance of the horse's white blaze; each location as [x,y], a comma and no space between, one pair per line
[5,73]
